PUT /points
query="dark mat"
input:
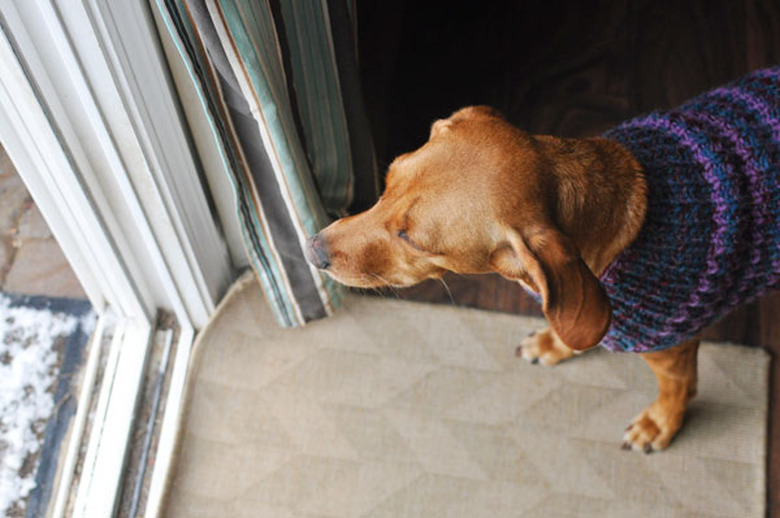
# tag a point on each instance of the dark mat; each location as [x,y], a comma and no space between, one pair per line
[69,349]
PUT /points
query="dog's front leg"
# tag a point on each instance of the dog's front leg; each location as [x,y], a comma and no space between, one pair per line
[544,347]
[675,369]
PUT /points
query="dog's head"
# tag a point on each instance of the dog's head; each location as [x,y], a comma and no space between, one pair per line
[478,197]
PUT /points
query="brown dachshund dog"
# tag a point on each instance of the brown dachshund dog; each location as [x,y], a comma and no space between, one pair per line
[482,196]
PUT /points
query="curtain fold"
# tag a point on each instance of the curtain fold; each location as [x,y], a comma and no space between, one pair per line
[278,81]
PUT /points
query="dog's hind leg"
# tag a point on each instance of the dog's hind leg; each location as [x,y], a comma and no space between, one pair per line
[655,426]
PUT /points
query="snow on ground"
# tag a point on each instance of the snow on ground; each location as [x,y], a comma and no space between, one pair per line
[28,372]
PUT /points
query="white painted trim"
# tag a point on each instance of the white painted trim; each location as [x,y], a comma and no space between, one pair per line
[47,169]
[169,429]
[129,40]
[112,423]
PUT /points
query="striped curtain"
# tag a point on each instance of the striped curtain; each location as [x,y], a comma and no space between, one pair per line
[279,83]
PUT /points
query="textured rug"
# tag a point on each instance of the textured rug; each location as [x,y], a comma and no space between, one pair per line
[397,409]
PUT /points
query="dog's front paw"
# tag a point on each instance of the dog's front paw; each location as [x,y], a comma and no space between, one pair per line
[653,429]
[544,347]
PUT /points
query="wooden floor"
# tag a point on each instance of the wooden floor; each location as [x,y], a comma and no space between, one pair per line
[557,68]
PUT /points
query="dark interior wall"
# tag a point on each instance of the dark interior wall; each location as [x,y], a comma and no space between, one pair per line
[561,67]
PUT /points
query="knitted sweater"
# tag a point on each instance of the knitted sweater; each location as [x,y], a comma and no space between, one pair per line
[711,236]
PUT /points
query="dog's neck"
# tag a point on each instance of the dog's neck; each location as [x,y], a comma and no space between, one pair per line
[601,195]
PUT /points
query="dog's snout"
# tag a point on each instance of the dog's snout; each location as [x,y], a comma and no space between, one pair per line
[317,252]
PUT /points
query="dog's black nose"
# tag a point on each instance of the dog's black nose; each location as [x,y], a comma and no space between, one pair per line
[317,252]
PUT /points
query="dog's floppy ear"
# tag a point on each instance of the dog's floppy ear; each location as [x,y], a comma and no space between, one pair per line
[573,300]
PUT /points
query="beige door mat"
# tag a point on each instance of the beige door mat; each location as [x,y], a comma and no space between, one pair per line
[398,409]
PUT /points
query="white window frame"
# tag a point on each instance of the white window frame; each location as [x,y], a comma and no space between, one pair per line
[91,122]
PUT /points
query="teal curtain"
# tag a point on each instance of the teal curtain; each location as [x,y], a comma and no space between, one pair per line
[278,80]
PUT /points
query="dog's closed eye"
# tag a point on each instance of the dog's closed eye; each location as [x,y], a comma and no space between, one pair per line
[403,235]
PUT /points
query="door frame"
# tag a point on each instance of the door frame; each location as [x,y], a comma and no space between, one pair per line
[92,123]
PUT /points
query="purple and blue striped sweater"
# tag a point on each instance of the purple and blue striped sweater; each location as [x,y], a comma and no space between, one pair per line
[711,237]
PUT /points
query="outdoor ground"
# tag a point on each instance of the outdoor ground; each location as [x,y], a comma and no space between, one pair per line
[31,262]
